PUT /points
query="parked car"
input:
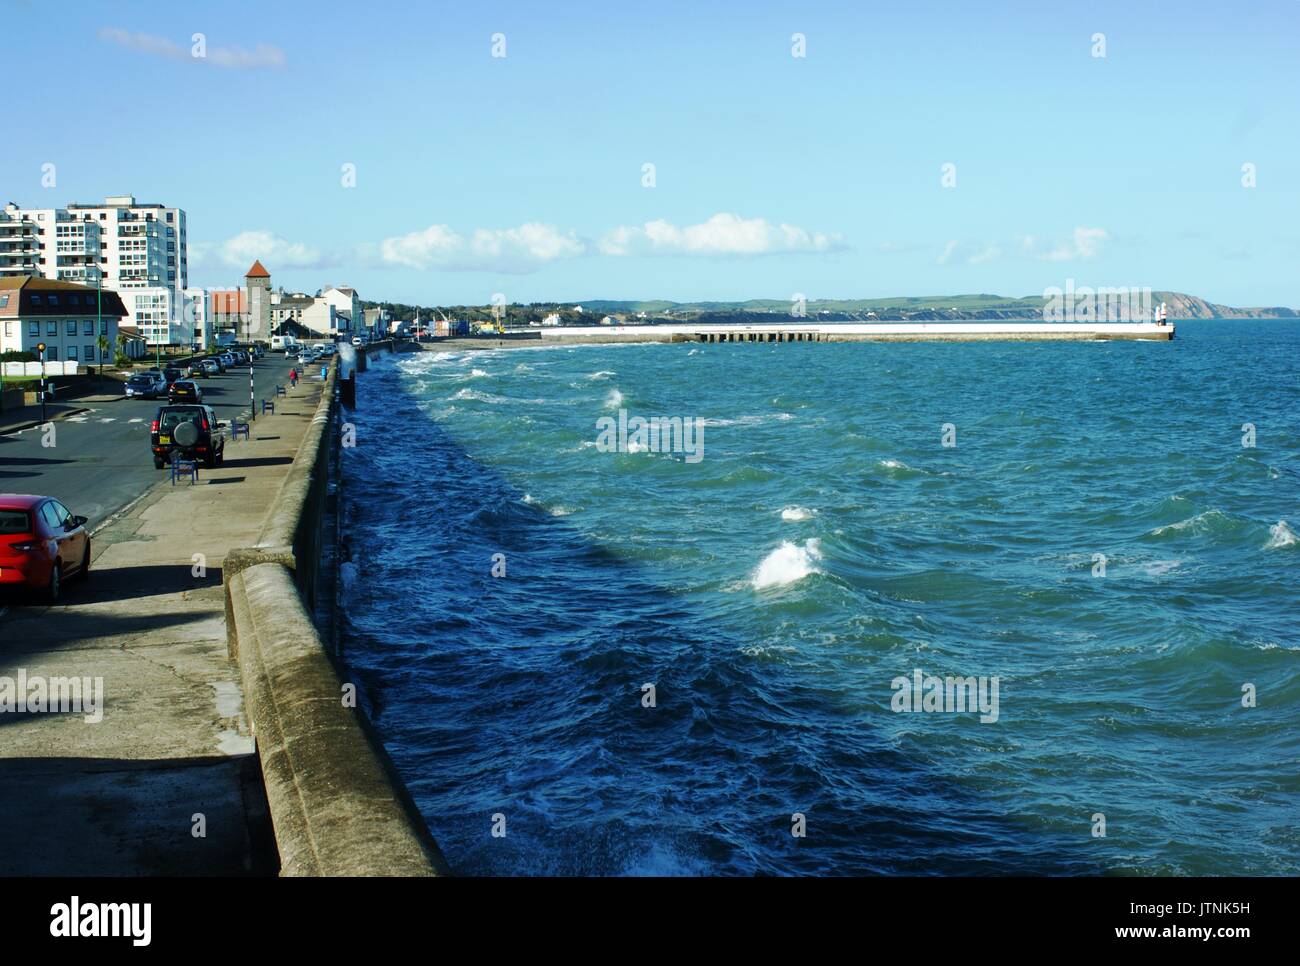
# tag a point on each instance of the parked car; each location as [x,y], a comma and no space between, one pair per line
[183,390]
[211,367]
[172,374]
[146,385]
[188,432]
[41,544]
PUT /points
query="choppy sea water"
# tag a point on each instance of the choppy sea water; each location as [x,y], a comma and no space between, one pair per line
[826,544]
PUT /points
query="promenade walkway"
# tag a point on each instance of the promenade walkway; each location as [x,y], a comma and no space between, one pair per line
[168,781]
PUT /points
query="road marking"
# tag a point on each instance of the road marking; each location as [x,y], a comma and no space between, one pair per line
[108,419]
[138,419]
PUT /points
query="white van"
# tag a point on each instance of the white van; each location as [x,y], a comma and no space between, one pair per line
[283,343]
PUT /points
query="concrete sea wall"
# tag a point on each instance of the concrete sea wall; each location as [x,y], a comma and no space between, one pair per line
[337,805]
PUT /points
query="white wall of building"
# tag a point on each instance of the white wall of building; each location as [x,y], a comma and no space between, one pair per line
[120,243]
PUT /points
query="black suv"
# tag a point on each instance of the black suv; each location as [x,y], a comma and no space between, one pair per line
[187,432]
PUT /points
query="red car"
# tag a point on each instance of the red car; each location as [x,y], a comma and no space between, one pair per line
[41,544]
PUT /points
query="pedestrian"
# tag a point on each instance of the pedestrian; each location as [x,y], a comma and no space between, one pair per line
[293,377]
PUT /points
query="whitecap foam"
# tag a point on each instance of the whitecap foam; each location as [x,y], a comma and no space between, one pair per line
[1158,568]
[1280,535]
[787,564]
[603,374]
[476,373]
[614,400]
[1196,524]
[793,514]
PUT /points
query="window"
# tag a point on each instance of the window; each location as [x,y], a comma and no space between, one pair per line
[51,327]
[90,353]
[54,300]
[36,299]
[4,301]
[52,353]
[34,329]
[9,328]
[88,327]
[50,514]
[72,327]
[103,326]
[72,353]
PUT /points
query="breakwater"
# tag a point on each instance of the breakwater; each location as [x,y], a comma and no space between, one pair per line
[799,331]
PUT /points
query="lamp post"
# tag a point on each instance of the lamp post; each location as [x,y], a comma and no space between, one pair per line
[40,347]
[99,323]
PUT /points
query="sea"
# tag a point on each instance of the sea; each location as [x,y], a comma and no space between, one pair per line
[726,648]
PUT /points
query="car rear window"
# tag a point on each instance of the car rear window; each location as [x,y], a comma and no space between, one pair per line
[15,521]
[140,380]
[172,418]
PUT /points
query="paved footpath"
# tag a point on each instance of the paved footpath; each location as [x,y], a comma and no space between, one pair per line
[173,756]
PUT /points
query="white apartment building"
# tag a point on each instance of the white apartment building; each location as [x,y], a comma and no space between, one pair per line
[120,244]
[165,316]
[347,304]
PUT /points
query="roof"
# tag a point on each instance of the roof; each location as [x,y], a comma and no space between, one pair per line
[228,303]
[38,283]
[82,299]
[19,501]
[257,271]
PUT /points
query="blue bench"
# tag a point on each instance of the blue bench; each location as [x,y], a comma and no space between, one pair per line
[279,391]
[182,468]
[267,404]
[238,429]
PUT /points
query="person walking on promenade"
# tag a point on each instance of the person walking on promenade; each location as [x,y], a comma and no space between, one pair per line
[293,378]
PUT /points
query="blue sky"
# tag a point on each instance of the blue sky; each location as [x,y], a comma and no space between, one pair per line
[774,174]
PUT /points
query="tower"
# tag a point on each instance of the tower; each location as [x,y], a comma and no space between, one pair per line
[257,285]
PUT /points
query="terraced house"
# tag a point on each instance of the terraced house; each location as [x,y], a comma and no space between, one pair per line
[68,318]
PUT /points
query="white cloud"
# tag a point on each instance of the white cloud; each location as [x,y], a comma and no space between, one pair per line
[515,250]
[1084,243]
[234,58]
[723,234]
[243,249]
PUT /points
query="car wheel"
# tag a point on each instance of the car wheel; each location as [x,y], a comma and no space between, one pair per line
[52,590]
[84,573]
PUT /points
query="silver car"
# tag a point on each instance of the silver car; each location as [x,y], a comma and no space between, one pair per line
[146,385]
